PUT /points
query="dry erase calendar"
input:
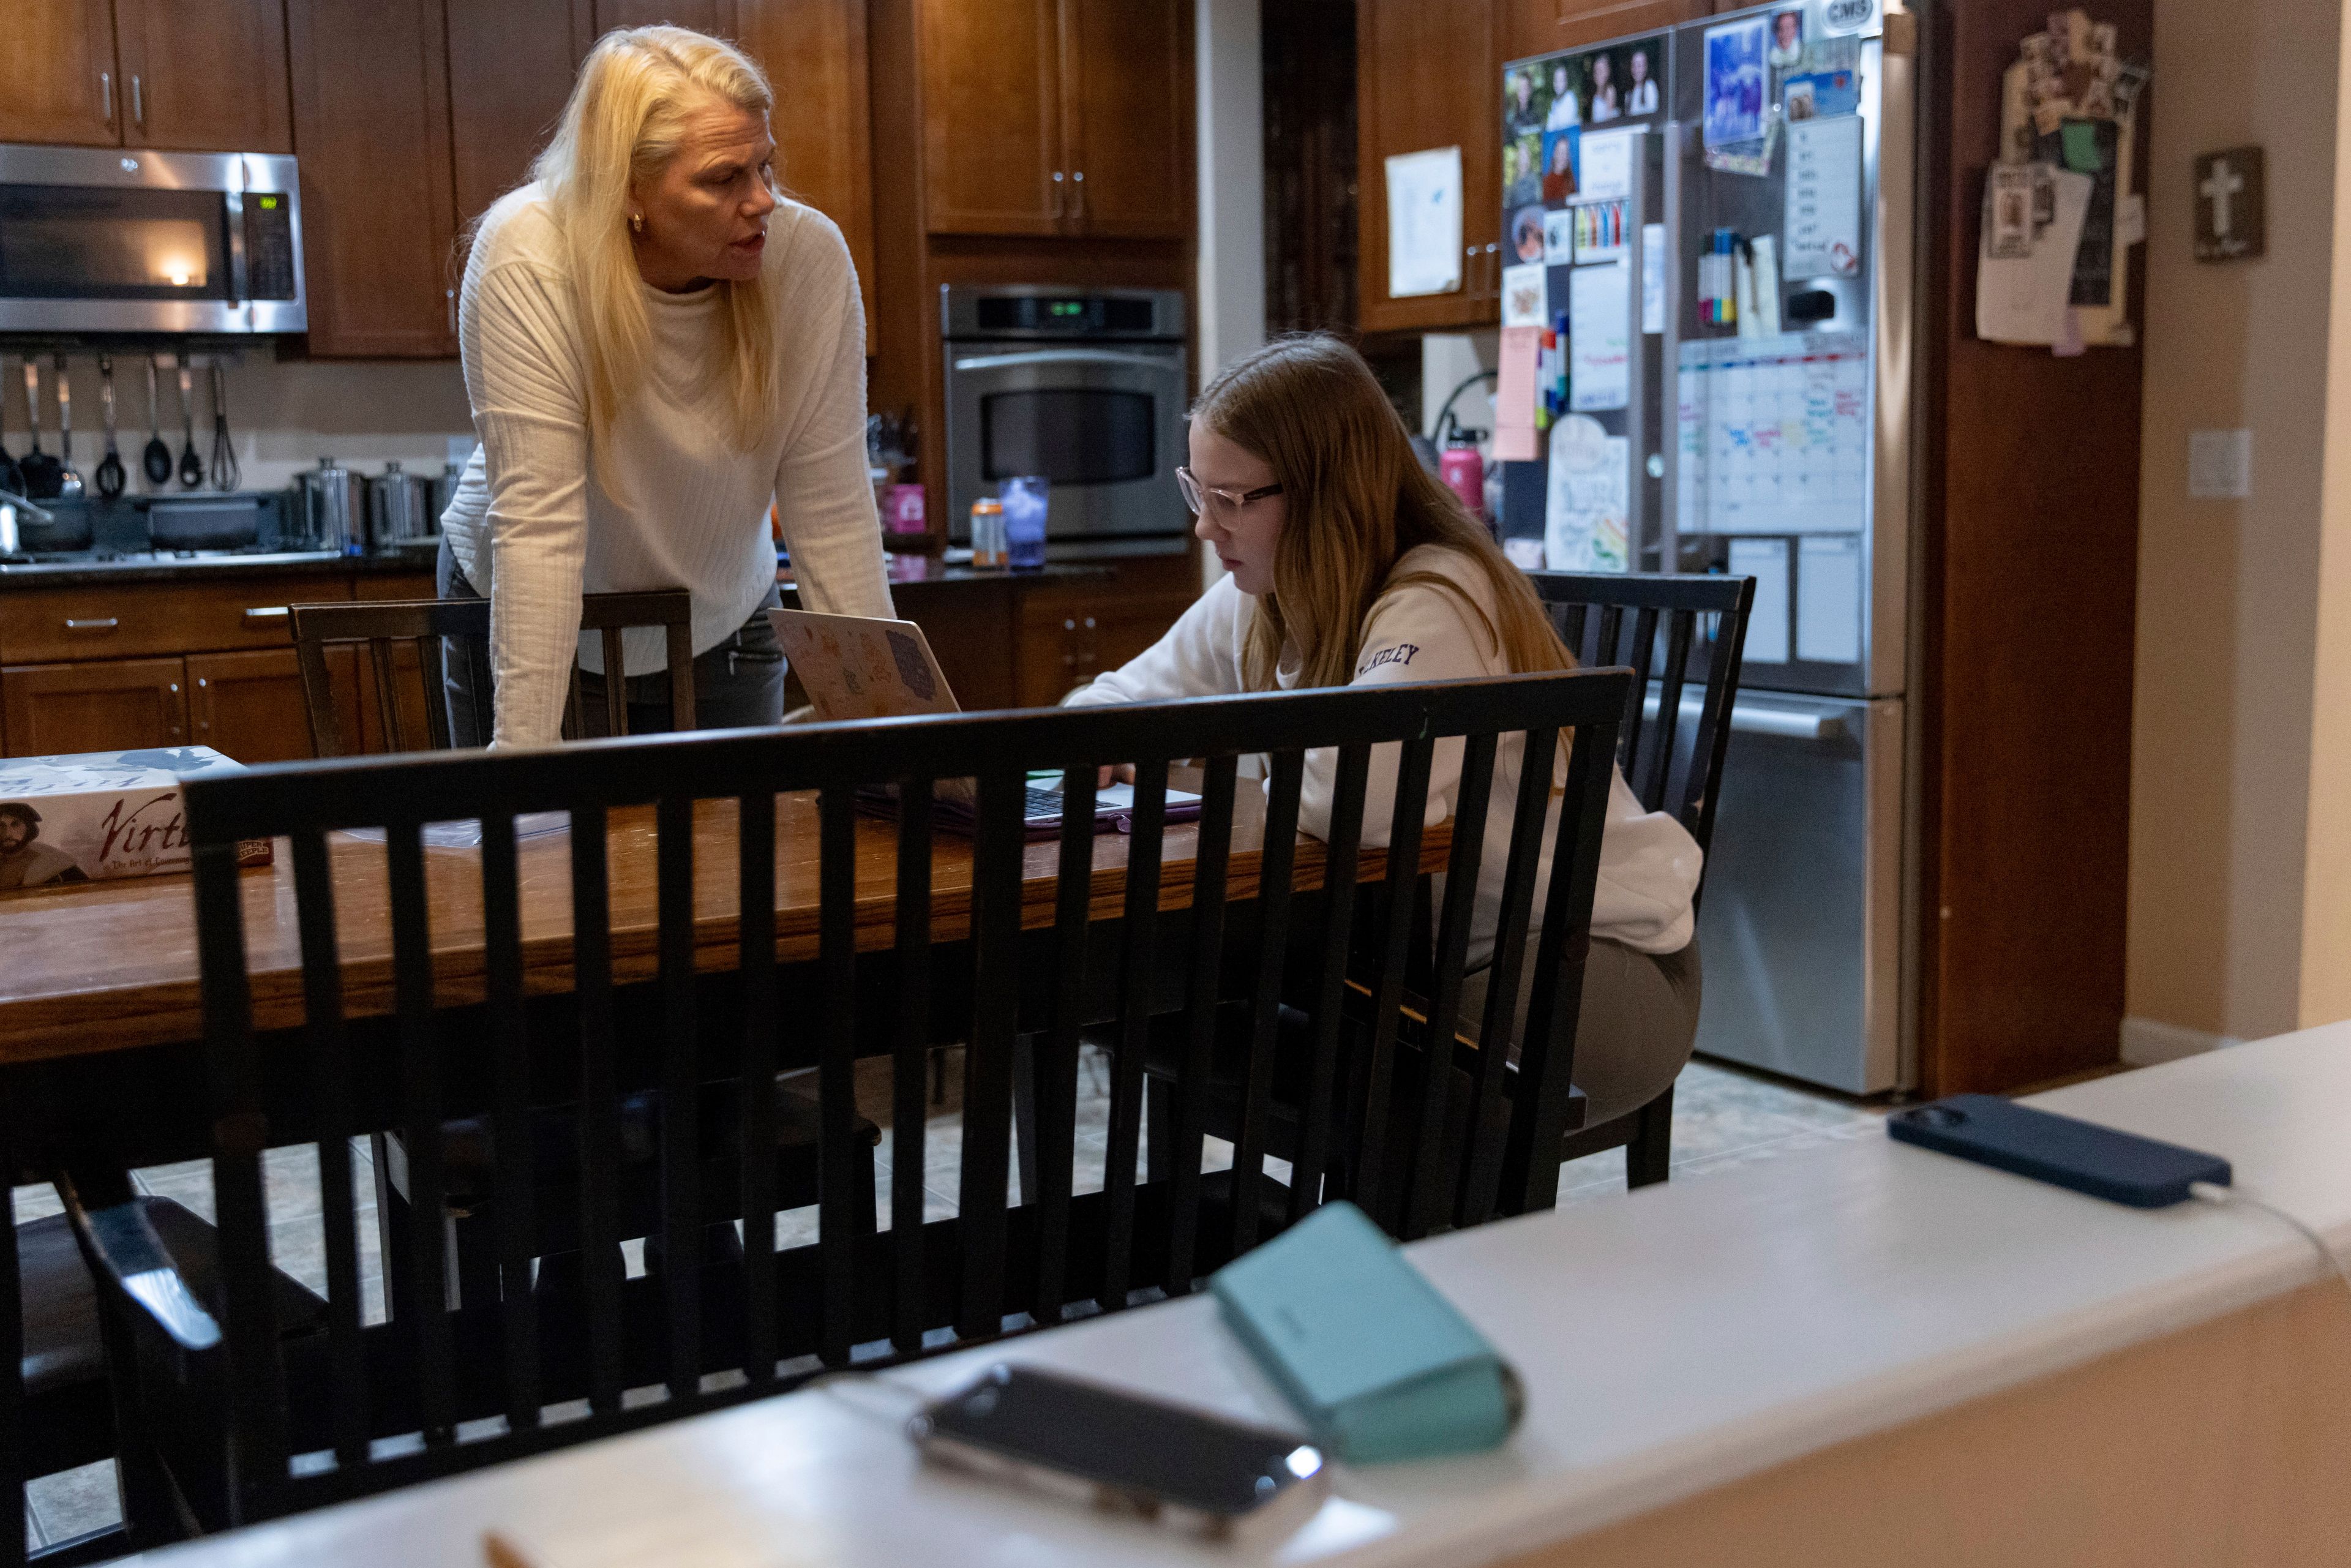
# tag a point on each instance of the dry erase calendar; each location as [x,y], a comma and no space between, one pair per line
[1774,434]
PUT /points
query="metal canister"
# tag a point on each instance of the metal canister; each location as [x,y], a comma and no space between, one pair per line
[333,510]
[441,491]
[396,506]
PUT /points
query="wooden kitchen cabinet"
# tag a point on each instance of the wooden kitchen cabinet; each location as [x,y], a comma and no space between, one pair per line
[1524,27]
[58,80]
[814,53]
[991,106]
[379,221]
[205,75]
[249,705]
[511,67]
[1126,109]
[113,704]
[717,18]
[1427,77]
[1056,117]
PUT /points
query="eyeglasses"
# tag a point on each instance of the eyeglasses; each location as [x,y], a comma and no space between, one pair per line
[1196,496]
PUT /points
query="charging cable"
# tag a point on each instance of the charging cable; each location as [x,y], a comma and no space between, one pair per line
[2229,1197]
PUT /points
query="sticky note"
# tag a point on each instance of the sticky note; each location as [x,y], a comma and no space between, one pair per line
[1828,597]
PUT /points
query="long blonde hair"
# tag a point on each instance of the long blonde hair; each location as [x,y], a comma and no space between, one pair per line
[623,122]
[1356,500]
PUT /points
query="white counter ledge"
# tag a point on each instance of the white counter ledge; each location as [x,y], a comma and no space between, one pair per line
[1673,1340]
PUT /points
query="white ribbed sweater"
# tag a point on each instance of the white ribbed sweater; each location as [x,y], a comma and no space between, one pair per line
[533,528]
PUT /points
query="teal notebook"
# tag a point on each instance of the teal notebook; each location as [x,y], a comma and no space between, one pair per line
[1380,1364]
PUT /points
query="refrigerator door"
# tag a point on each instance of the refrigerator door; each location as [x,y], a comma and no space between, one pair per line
[1800,924]
[1791,189]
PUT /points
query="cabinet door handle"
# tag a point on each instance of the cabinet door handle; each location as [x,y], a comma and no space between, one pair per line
[453,310]
[261,612]
[138,102]
[1058,178]
[106,95]
[107,625]
[1078,195]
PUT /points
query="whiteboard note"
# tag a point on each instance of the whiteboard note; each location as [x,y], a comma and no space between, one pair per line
[1424,222]
[1765,560]
[1828,597]
[1773,435]
[1823,217]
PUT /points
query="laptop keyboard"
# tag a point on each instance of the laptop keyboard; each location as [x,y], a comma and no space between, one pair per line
[1042,803]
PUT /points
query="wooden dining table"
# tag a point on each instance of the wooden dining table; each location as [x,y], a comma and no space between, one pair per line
[108,967]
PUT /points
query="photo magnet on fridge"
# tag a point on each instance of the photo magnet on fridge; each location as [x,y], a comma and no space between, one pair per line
[1734,81]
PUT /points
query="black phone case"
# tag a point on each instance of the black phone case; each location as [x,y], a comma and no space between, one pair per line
[2122,1168]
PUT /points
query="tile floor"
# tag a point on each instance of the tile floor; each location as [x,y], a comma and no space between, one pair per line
[1723,1119]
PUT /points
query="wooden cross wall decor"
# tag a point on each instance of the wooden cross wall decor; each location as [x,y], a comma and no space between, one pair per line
[2230,219]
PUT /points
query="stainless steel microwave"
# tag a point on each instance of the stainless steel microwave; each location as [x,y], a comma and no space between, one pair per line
[105,239]
[1086,387]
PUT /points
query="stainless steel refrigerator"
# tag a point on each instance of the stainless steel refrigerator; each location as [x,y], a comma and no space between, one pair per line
[1733,390]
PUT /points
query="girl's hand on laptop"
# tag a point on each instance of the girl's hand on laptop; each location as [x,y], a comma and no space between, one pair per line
[1114,773]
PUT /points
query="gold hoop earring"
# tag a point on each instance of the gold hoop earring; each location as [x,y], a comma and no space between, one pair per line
[636,223]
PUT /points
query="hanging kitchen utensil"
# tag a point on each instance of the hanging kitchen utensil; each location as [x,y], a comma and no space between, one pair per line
[156,461]
[40,469]
[191,467]
[224,470]
[12,478]
[69,479]
[111,476]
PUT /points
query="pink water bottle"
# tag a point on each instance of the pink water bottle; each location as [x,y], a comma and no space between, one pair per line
[1463,471]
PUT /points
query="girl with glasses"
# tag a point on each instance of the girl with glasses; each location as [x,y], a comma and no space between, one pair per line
[1348,564]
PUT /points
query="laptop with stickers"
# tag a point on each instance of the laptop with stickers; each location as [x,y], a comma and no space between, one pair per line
[857,666]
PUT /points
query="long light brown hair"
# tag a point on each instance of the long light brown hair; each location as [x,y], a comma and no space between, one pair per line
[1356,500]
[624,120]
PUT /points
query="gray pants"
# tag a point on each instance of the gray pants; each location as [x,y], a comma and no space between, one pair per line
[740,683]
[1634,1032]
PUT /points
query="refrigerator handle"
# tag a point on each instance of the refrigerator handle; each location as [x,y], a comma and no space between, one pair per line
[1669,391]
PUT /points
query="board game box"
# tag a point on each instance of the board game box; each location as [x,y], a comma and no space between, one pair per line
[100,815]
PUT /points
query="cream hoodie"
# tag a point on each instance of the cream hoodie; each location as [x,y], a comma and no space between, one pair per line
[1648,863]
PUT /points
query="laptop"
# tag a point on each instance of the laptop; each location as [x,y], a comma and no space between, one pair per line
[858,666]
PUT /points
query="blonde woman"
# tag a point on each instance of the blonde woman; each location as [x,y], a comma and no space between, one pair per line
[1349,565]
[656,344]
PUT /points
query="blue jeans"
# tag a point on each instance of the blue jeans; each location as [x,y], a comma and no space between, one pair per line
[737,683]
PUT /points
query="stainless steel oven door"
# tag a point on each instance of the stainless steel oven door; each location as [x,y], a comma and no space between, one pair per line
[128,240]
[1104,423]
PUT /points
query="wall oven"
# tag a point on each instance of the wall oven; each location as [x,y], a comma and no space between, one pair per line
[1086,387]
[125,240]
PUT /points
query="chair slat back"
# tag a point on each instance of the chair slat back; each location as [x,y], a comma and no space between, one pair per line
[435,630]
[1703,618]
[1233,917]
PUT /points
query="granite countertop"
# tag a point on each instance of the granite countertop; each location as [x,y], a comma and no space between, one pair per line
[84,572]
[89,571]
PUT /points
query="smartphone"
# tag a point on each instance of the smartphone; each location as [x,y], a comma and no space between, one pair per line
[2122,1168]
[1125,1454]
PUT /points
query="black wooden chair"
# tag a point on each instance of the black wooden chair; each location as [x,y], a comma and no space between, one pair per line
[1688,633]
[250,1415]
[431,628]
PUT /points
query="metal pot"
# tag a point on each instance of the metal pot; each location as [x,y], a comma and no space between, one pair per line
[396,508]
[333,510]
